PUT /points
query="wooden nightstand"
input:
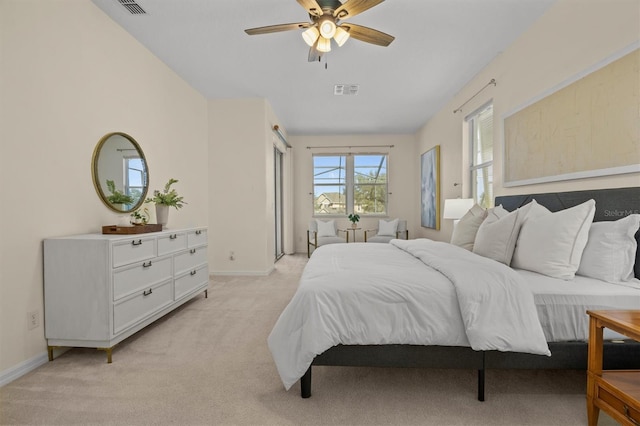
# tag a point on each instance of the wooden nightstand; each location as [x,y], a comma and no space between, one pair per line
[615,391]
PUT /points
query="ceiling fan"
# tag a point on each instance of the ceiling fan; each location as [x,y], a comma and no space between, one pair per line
[326,24]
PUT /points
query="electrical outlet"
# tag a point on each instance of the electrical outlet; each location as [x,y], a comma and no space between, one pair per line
[232,256]
[33,320]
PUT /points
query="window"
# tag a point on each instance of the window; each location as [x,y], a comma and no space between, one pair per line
[345,184]
[135,177]
[481,165]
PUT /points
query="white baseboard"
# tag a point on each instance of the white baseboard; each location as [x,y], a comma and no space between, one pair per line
[23,368]
[212,274]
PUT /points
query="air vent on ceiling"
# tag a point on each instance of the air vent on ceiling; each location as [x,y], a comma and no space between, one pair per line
[345,89]
[133,7]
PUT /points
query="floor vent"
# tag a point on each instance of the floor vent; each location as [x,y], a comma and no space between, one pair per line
[345,89]
[133,7]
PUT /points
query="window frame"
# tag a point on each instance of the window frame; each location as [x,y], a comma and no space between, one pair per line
[474,168]
[350,184]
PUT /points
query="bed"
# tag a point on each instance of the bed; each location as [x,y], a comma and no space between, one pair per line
[336,317]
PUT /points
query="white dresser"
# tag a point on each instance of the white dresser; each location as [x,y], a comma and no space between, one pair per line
[100,289]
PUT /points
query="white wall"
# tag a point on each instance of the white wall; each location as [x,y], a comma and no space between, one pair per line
[401,169]
[241,202]
[68,76]
[569,39]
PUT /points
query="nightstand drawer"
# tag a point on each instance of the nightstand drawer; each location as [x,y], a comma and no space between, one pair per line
[622,397]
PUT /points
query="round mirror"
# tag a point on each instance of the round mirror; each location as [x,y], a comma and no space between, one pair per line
[120,172]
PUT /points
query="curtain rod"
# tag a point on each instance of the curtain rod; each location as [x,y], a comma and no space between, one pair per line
[493,81]
[349,147]
[278,132]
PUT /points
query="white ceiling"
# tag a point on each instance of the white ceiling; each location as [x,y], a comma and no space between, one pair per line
[439,46]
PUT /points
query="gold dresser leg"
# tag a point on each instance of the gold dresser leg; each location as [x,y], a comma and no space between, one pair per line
[50,352]
[108,352]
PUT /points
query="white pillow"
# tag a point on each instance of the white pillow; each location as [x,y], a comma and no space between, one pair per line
[388,228]
[611,250]
[497,235]
[552,243]
[326,229]
[464,233]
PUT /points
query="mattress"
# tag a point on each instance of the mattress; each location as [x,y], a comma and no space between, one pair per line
[416,292]
[562,304]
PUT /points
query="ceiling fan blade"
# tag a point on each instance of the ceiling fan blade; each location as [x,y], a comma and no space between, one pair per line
[278,28]
[368,35]
[352,8]
[311,6]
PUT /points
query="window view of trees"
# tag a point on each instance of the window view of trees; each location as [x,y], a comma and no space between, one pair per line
[345,184]
[370,184]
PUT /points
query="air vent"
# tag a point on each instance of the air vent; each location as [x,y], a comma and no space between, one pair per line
[345,89]
[133,7]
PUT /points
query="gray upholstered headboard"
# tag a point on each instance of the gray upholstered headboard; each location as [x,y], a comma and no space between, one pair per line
[611,204]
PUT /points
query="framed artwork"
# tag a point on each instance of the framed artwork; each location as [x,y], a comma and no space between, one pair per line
[430,188]
[585,127]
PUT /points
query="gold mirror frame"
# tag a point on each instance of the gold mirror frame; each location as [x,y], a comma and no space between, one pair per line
[110,159]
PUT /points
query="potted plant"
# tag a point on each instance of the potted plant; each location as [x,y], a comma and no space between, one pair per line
[354,218]
[117,197]
[164,199]
[140,217]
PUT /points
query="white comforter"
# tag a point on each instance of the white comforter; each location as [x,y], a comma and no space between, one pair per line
[419,292]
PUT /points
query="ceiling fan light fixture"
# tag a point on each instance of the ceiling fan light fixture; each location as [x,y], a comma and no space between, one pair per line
[341,36]
[310,36]
[327,28]
[324,45]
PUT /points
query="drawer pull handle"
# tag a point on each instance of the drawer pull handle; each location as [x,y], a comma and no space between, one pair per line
[192,251]
[136,243]
[193,272]
[173,236]
[198,232]
[147,292]
[146,264]
[626,413]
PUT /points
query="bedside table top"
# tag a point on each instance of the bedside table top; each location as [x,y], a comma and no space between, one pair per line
[622,321]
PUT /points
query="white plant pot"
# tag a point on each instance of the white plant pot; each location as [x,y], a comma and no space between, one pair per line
[162,214]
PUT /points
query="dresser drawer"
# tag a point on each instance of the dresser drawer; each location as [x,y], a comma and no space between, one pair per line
[136,308]
[133,250]
[197,238]
[172,243]
[190,260]
[190,281]
[140,277]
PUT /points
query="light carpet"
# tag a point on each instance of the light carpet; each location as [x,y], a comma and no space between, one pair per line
[207,363]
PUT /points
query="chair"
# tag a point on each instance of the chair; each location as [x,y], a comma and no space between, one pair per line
[387,231]
[327,234]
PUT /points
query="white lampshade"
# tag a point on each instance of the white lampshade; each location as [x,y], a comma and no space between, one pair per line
[455,208]
[327,28]
[324,44]
[341,36]
[310,36]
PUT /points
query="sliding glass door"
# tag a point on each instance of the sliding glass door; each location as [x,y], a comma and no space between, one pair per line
[278,159]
